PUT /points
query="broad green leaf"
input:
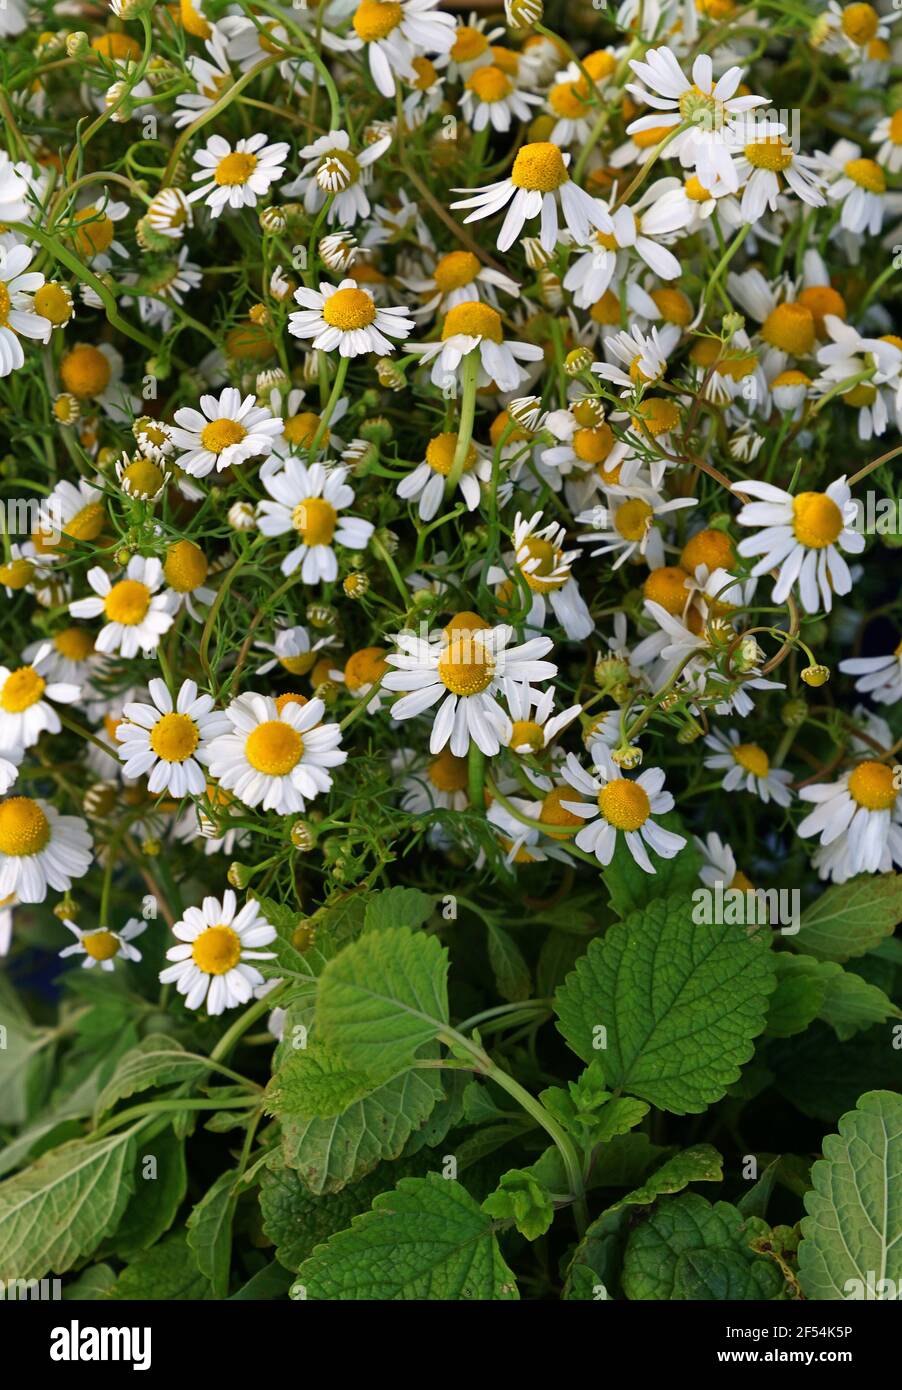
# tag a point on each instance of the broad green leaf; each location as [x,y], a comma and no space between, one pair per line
[60,1208]
[853,1229]
[158,1060]
[689,1249]
[824,1077]
[92,1284]
[670,1007]
[427,1239]
[316,1080]
[508,966]
[160,1188]
[799,996]
[808,988]
[272,1281]
[383,997]
[631,888]
[210,1232]
[168,1272]
[26,1056]
[397,907]
[851,1004]
[851,918]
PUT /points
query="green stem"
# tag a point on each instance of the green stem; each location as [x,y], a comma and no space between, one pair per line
[332,402]
[469,373]
[476,776]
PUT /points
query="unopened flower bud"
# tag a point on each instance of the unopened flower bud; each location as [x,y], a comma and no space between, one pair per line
[239,875]
[390,375]
[78,44]
[327,691]
[794,713]
[816,675]
[387,539]
[535,253]
[579,360]
[321,616]
[749,654]
[377,430]
[273,220]
[302,835]
[356,585]
[303,936]
[689,733]
[66,907]
[627,757]
[241,517]
[733,323]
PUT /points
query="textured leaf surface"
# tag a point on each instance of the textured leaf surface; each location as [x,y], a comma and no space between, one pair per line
[61,1207]
[159,1192]
[166,1272]
[508,966]
[851,918]
[681,1003]
[316,1080]
[631,888]
[428,1239]
[854,1221]
[397,907]
[158,1060]
[689,1249]
[210,1232]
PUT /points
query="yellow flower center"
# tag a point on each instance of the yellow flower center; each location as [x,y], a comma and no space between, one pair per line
[87,524]
[553,813]
[593,445]
[365,667]
[565,100]
[16,574]
[539,167]
[822,300]
[673,306]
[127,602]
[817,521]
[860,23]
[144,478]
[607,240]
[769,154]
[790,327]
[53,302]
[192,21]
[871,785]
[752,758]
[658,415]
[646,139]
[740,881]
[426,74]
[74,643]
[447,772]
[860,396]
[527,734]
[456,269]
[185,567]
[349,309]
[315,520]
[300,430]
[375,19]
[21,690]
[715,9]
[222,434]
[606,310]
[85,371]
[274,748]
[347,172]
[5,305]
[895,128]
[217,950]
[174,738]
[100,945]
[867,174]
[702,109]
[633,519]
[489,84]
[790,378]
[95,231]
[469,44]
[624,804]
[465,667]
[298,665]
[600,65]
[545,560]
[473,319]
[667,586]
[440,453]
[235,168]
[24,829]
[117,46]
[695,190]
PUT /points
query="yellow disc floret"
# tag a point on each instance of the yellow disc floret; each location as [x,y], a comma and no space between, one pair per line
[454,270]
[127,602]
[365,667]
[21,689]
[216,950]
[860,23]
[440,453]
[817,521]
[235,169]
[489,84]
[872,786]
[867,174]
[667,586]
[274,748]
[349,309]
[474,320]
[174,737]
[465,666]
[222,434]
[185,567]
[100,945]
[315,520]
[752,758]
[74,643]
[447,772]
[375,19]
[24,829]
[85,371]
[790,327]
[539,167]
[624,804]
[633,518]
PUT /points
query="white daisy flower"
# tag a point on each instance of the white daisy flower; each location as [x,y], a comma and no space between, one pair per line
[185,569]
[429,784]
[858,183]
[291,649]
[101,946]
[308,501]
[588,451]
[878,676]
[858,820]
[546,566]
[217,944]
[887,133]
[347,317]
[643,354]
[747,767]
[720,863]
[638,231]
[39,848]
[620,805]
[456,278]
[472,47]
[394,32]
[707,106]
[278,753]
[330,170]
[425,485]
[18,318]
[537,182]
[170,744]
[878,360]
[627,524]
[801,537]
[490,99]
[765,164]
[477,327]
[25,711]
[169,213]
[136,615]
[237,178]
[231,430]
[465,669]
[534,726]
[299,426]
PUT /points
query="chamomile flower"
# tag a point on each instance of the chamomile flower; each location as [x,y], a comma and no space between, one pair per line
[394,32]
[25,695]
[217,945]
[40,849]
[858,820]
[720,863]
[533,726]
[620,805]
[136,615]
[278,754]
[858,183]
[348,318]
[291,649]
[18,317]
[169,214]
[628,524]
[425,485]
[643,354]
[747,767]
[887,133]
[477,327]
[456,278]
[236,178]
[640,231]
[876,362]
[309,503]
[880,677]
[463,672]
[801,537]
[490,99]
[103,947]
[546,566]
[765,164]
[537,183]
[229,431]
[169,743]
[431,783]
[331,171]
[185,568]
